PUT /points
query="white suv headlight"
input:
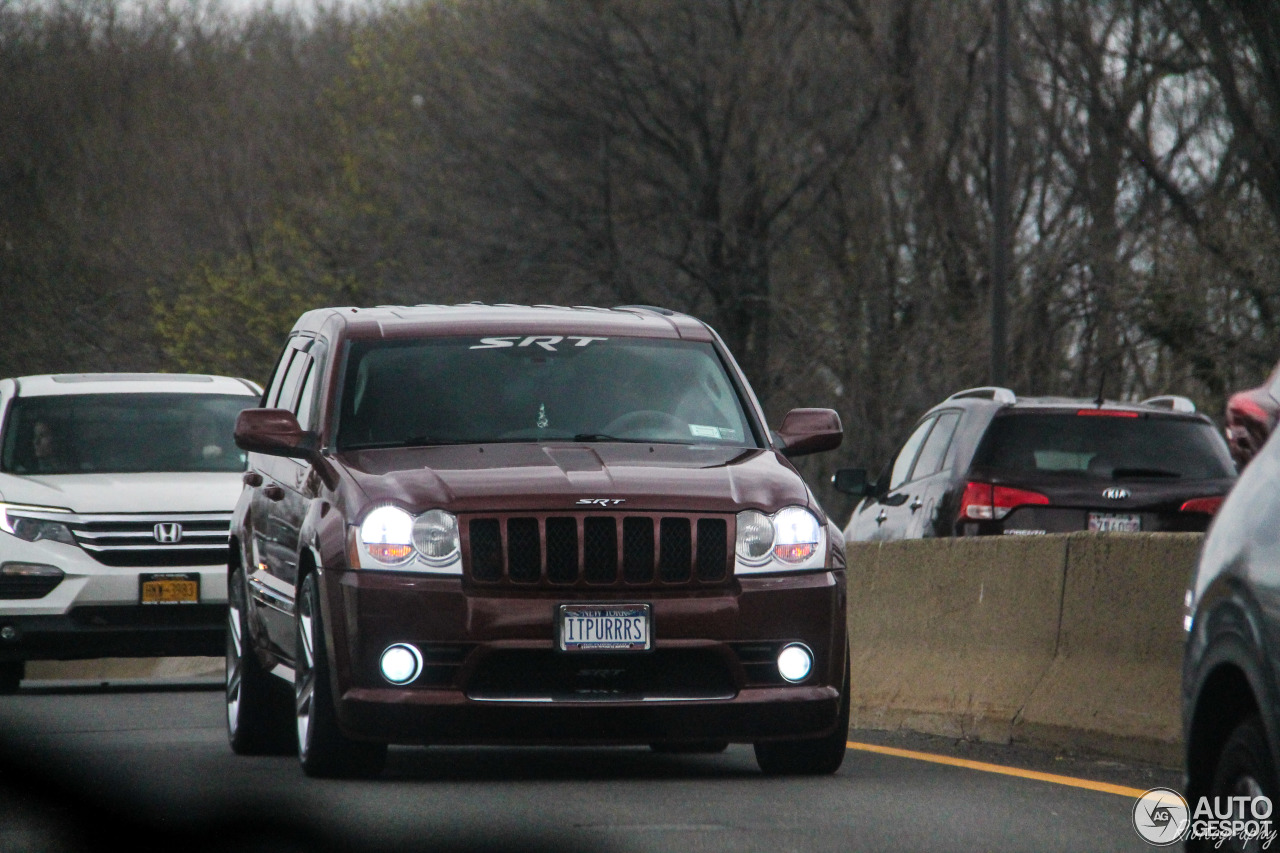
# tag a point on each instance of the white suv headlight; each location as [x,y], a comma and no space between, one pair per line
[392,538]
[30,523]
[792,538]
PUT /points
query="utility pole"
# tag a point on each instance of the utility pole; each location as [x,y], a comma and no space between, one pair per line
[1000,204]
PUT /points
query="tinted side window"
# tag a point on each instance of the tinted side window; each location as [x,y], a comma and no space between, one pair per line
[277,378]
[935,447]
[292,381]
[306,400]
[902,465]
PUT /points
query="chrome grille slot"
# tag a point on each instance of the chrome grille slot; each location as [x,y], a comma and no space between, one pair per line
[151,540]
[600,550]
[675,551]
[562,550]
[486,549]
[637,550]
[713,549]
[524,551]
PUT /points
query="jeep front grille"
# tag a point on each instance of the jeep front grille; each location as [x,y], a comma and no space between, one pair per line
[561,550]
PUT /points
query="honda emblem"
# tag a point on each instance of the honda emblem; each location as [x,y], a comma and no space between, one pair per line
[168,533]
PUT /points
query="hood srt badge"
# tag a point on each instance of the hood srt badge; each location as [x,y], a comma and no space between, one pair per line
[600,501]
[1115,493]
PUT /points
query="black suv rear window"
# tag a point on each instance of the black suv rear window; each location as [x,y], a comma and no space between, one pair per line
[1107,447]
[537,388]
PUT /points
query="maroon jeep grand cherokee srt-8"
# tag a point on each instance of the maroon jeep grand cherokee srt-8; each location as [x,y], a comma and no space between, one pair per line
[509,525]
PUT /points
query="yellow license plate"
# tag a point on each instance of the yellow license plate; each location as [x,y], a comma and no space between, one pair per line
[170,589]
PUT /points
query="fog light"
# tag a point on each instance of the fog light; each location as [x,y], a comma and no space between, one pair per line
[8,632]
[401,663]
[795,662]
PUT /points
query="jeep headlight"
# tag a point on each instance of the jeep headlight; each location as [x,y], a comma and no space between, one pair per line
[755,537]
[386,534]
[791,538]
[796,534]
[435,535]
[396,539]
[27,522]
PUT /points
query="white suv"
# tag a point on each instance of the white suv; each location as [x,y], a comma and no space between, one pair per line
[116,492]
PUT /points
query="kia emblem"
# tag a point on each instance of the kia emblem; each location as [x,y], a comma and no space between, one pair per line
[168,533]
[1115,493]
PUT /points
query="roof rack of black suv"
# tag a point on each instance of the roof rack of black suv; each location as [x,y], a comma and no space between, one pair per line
[986,392]
[1173,402]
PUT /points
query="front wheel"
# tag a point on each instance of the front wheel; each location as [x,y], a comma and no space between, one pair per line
[1244,769]
[11,675]
[259,717]
[811,756]
[322,747]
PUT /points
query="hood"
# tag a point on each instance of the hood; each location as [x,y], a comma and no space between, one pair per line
[110,493]
[558,478]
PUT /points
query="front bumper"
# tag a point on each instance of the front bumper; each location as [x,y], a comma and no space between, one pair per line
[494,674]
[95,612]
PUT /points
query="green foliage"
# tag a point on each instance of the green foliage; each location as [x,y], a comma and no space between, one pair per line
[231,315]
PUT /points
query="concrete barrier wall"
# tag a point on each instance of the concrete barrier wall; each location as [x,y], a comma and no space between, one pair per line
[1070,641]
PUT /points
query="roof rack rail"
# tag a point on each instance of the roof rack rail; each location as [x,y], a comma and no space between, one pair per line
[1173,402]
[986,392]
[665,312]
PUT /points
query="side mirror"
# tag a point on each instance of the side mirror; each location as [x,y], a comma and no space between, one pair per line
[852,481]
[805,431]
[275,432]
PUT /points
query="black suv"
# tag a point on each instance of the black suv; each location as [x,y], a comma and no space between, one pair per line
[985,461]
[1230,686]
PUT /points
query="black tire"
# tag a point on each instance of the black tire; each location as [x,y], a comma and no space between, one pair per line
[11,675]
[813,756]
[259,710]
[1244,768]
[691,747]
[322,747]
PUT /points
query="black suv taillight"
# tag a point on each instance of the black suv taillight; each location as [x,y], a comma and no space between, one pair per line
[1207,505]
[990,502]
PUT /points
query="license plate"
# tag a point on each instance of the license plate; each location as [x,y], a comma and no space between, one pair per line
[183,588]
[604,627]
[1105,522]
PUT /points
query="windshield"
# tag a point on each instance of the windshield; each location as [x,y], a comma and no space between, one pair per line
[1106,447]
[548,388]
[123,433]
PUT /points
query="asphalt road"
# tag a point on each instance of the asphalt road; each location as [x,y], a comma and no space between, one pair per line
[139,766]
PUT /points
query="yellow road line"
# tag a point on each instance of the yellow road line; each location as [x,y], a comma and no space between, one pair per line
[1072,781]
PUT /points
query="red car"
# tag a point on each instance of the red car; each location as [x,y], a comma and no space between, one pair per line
[1251,416]
[504,524]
